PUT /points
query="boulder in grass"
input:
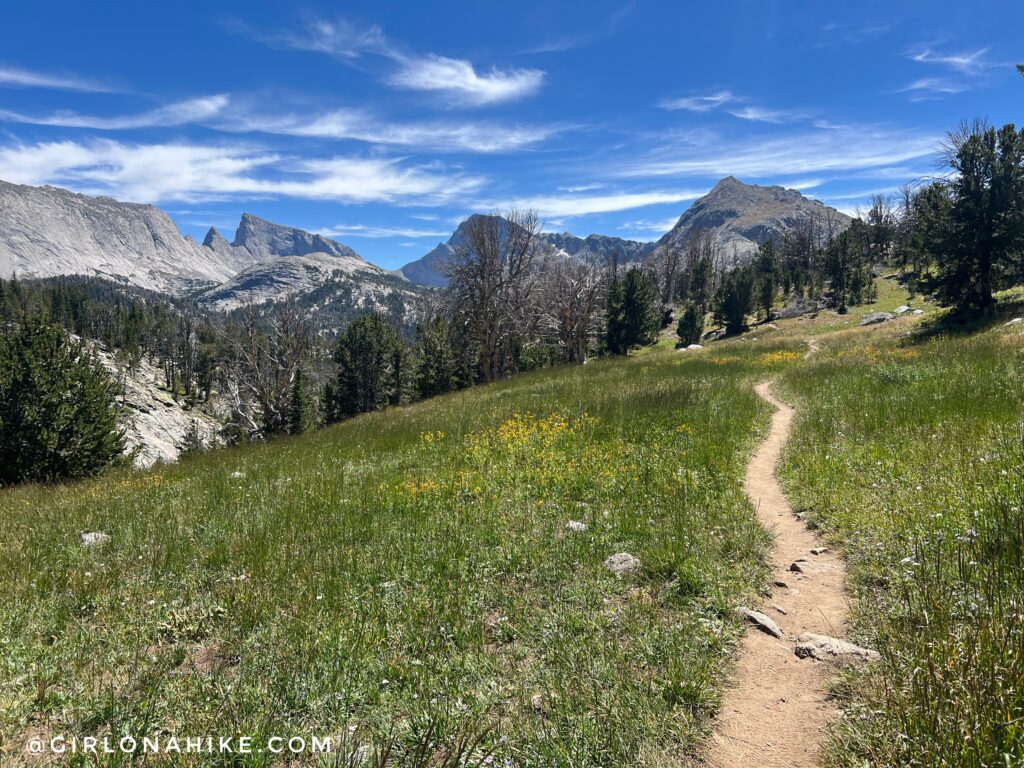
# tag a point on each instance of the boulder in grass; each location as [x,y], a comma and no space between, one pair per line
[901,309]
[576,526]
[873,318]
[94,538]
[694,347]
[622,564]
[1016,321]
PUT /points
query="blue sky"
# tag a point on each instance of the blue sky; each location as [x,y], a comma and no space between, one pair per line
[384,124]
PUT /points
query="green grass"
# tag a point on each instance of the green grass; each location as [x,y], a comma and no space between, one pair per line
[406,580]
[908,453]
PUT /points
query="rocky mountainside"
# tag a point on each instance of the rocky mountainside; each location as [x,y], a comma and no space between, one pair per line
[743,216]
[48,231]
[428,269]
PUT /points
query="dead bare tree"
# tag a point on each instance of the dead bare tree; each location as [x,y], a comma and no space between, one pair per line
[261,367]
[490,280]
[570,304]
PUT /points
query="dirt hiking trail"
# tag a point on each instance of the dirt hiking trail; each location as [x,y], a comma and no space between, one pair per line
[775,712]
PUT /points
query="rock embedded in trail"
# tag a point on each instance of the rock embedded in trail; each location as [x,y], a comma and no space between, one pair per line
[874,318]
[761,621]
[819,550]
[622,564]
[826,648]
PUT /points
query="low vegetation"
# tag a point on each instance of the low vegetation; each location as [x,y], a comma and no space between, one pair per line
[408,579]
[907,452]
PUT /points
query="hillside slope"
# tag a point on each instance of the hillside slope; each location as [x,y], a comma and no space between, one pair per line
[413,566]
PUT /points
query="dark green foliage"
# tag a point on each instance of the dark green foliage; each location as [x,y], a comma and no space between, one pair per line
[301,406]
[984,237]
[192,443]
[436,371]
[766,275]
[366,380]
[634,317]
[57,415]
[847,264]
[691,325]
[735,300]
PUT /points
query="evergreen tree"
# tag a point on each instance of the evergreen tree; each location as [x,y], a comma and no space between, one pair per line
[634,316]
[691,325]
[735,300]
[301,408]
[366,378]
[986,219]
[192,442]
[766,276]
[436,368]
[57,415]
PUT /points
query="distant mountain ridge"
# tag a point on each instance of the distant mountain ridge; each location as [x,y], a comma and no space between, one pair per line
[49,231]
[428,270]
[742,216]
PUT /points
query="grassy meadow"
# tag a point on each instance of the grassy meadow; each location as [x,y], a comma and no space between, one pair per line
[406,582]
[908,453]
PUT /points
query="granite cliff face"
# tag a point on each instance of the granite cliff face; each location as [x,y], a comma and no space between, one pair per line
[47,231]
[742,216]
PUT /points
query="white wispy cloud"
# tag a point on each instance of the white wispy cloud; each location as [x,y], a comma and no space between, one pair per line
[194,173]
[178,113]
[704,103]
[967,62]
[18,77]
[737,106]
[565,206]
[852,148]
[656,226]
[458,79]
[928,88]
[362,125]
[581,38]
[369,231]
[762,115]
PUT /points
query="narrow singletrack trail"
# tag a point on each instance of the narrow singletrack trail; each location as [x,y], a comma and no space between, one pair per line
[775,712]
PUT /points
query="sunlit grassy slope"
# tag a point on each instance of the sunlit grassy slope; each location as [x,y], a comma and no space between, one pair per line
[908,452]
[407,579]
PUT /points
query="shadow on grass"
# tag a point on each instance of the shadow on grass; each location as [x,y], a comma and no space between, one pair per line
[1009,304]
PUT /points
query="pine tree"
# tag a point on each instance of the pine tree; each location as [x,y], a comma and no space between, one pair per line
[634,317]
[735,300]
[365,356]
[691,325]
[766,276]
[435,370]
[986,219]
[301,411]
[58,420]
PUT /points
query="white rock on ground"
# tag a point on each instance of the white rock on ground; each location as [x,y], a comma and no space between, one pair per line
[1016,321]
[901,309]
[576,526]
[761,621]
[874,318]
[694,347]
[622,564]
[826,648]
[94,538]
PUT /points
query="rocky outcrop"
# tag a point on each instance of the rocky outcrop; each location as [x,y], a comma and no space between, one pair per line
[264,239]
[742,216]
[47,231]
[155,423]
